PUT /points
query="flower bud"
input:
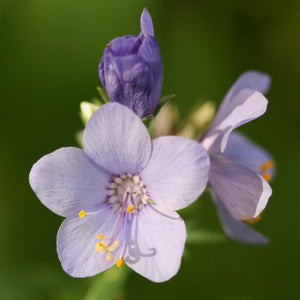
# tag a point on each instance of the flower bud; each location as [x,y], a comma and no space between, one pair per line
[131,69]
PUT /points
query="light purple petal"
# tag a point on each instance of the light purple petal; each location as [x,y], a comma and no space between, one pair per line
[177,172]
[156,244]
[76,240]
[237,229]
[253,80]
[117,140]
[246,106]
[242,191]
[146,23]
[243,151]
[65,181]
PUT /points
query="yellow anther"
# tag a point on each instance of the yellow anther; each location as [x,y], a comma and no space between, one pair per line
[113,246]
[120,262]
[267,176]
[246,217]
[269,164]
[100,248]
[109,256]
[253,220]
[101,236]
[102,244]
[82,213]
[131,208]
[108,44]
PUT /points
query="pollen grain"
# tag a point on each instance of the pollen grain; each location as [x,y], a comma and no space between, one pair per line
[269,164]
[120,262]
[131,208]
[99,247]
[267,176]
[82,213]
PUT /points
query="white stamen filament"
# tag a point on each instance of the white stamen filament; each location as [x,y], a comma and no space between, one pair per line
[136,179]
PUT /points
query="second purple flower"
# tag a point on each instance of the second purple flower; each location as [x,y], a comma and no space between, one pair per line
[240,171]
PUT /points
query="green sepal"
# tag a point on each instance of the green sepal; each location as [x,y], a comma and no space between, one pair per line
[147,121]
[103,93]
[162,101]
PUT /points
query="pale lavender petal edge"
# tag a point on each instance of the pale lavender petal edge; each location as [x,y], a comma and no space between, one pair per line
[253,80]
[77,238]
[65,181]
[244,151]
[116,140]
[177,172]
[155,251]
[242,191]
[245,107]
[237,229]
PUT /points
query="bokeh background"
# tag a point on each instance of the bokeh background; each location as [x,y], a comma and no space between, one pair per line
[49,55]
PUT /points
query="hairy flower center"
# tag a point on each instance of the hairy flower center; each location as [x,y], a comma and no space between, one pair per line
[128,190]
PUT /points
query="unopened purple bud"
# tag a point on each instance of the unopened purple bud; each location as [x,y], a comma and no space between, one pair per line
[131,69]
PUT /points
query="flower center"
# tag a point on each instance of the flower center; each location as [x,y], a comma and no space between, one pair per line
[128,190]
[127,195]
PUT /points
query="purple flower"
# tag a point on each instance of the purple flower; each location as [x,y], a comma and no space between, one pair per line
[239,169]
[131,69]
[119,194]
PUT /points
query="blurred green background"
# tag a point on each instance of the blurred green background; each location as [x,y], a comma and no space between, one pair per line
[49,55]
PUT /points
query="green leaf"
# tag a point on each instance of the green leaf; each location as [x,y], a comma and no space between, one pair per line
[203,236]
[27,281]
